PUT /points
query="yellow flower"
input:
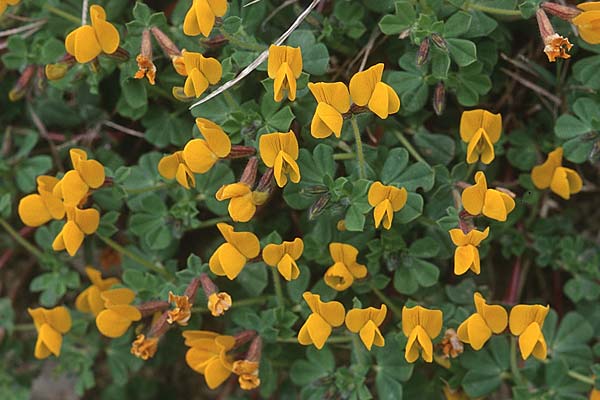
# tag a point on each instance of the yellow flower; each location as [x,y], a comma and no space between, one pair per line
[324,317]
[200,73]
[229,259]
[466,255]
[480,129]
[551,174]
[87,42]
[284,256]
[345,269]
[200,18]
[588,22]
[201,154]
[75,184]
[478,328]
[594,394]
[118,314]
[6,3]
[182,311]
[387,200]
[37,209]
[143,347]
[333,100]
[79,223]
[526,322]
[218,303]
[366,322]
[241,201]
[280,152]
[284,66]
[208,355]
[420,326]
[248,374]
[174,167]
[492,203]
[50,324]
[367,89]
[90,300]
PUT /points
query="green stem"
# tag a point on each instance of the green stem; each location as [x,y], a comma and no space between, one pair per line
[359,350]
[19,239]
[331,340]
[212,222]
[240,43]
[413,152]
[514,367]
[470,170]
[360,156]
[23,327]
[240,303]
[388,302]
[344,156]
[158,186]
[577,376]
[278,287]
[152,267]
[494,10]
[64,14]
[230,100]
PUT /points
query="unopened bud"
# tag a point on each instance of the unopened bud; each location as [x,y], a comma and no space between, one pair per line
[318,206]
[564,12]
[238,151]
[120,54]
[249,174]
[265,184]
[146,67]
[439,98]
[192,288]
[20,88]
[56,71]
[244,337]
[150,307]
[439,41]
[208,286]
[423,53]
[180,95]
[165,43]
[555,46]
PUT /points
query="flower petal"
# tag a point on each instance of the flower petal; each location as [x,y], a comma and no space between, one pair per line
[32,210]
[473,197]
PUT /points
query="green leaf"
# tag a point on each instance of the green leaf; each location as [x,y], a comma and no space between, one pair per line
[315,56]
[462,51]
[418,175]
[457,24]
[426,247]
[395,163]
[411,210]
[403,19]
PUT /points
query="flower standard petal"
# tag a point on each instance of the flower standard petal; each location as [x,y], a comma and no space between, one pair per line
[84,44]
[198,156]
[217,140]
[474,196]
[32,210]
[106,33]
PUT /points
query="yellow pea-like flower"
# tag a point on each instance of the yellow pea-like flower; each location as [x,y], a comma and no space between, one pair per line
[551,174]
[229,258]
[208,355]
[420,325]
[333,100]
[201,154]
[280,152]
[173,166]
[200,18]
[90,299]
[284,66]
[366,323]
[588,22]
[37,209]
[526,322]
[50,325]
[366,89]
[481,130]
[75,185]
[466,255]
[492,203]
[247,372]
[324,317]
[242,205]
[118,314]
[284,257]
[87,42]
[79,223]
[6,3]
[340,276]
[201,71]
[478,328]
[387,200]
[218,303]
